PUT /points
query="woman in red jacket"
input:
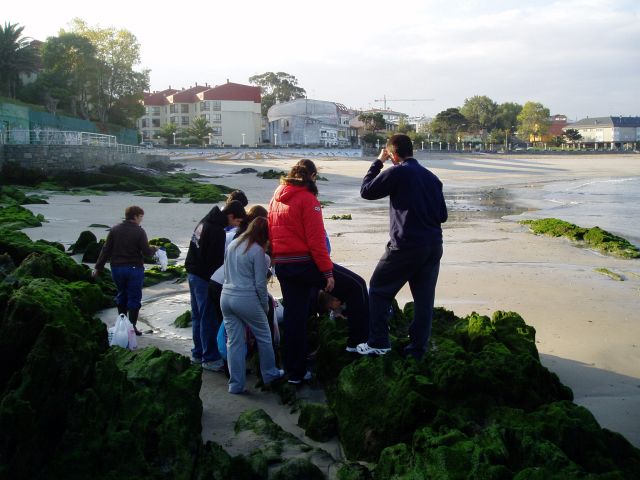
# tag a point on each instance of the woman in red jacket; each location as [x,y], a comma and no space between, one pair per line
[300,256]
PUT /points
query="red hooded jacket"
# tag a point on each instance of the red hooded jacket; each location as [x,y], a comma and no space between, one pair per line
[296,229]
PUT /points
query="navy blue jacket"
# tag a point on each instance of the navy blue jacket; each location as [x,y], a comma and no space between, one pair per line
[416,202]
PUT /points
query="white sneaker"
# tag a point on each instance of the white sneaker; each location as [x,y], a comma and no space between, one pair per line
[307,376]
[365,349]
[351,349]
[216,366]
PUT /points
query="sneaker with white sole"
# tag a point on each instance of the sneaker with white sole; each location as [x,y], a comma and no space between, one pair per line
[307,376]
[215,366]
[351,349]
[365,349]
[196,360]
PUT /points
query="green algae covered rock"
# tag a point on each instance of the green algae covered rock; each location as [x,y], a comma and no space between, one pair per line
[92,252]
[171,248]
[478,405]
[353,471]
[318,421]
[154,275]
[296,469]
[16,217]
[183,320]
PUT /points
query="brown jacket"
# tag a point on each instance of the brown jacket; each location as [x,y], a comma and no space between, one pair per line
[126,244]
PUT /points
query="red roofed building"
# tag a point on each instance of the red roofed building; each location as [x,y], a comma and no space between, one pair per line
[232,110]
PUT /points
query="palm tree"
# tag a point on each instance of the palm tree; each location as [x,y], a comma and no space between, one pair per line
[17,55]
[200,129]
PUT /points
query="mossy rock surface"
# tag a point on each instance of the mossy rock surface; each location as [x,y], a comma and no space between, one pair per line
[318,421]
[85,239]
[183,320]
[92,252]
[296,469]
[154,275]
[169,200]
[16,217]
[173,251]
[272,174]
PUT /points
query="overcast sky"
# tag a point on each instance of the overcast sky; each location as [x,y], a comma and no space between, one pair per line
[577,57]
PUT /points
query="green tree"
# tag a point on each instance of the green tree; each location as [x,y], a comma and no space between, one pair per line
[480,112]
[200,129]
[572,135]
[117,83]
[533,121]
[447,124]
[373,121]
[404,126]
[372,138]
[69,64]
[507,115]
[17,55]
[167,132]
[277,88]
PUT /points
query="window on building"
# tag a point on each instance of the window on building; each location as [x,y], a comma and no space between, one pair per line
[204,106]
[216,105]
[216,131]
[173,108]
[172,120]
[144,123]
[206,116]
[216,117]
[323,134]
[184,121]
[155,111]
[185,108]
[155,122]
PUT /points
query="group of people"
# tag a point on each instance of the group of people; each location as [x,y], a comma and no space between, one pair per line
[231,252]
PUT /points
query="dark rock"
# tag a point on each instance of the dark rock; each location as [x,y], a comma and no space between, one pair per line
[353,471]
[84,240]
[247,170]
[86,200]
[92,251]
[16,217]
[154,275]
[272,174]
[296,469]
[169,200]
[56,245]
[171,248]
[6,265]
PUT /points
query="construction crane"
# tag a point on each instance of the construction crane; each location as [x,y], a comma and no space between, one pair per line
[384,99]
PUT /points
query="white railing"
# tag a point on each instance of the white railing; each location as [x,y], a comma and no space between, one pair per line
[58,137]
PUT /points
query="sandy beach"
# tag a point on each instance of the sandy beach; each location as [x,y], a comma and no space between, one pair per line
[588,328]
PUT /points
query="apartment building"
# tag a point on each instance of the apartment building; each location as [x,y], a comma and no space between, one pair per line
[608,132]
[232,110]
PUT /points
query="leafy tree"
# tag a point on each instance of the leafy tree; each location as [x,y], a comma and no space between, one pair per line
[69,65]
[117,83]
[404,126]
[277,88]
[373,121]
[372,139]
[200,129]
[167,132]
[17,55]
[507,115]
[533,121]
[572,135]
[480,112]
[448,124]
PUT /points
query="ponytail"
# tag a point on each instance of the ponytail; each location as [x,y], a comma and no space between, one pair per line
[302,174]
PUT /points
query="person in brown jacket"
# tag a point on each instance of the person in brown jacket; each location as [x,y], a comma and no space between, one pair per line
[125,248]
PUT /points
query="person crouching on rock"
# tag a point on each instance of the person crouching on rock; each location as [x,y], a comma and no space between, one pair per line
[125,249]
[245,303]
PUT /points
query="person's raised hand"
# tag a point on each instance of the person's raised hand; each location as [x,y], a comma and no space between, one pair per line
[330,284]
[384,155]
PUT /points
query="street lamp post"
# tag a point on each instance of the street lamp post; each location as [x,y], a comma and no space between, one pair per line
[275,139]
[174,138]
[210,139]
[243,142]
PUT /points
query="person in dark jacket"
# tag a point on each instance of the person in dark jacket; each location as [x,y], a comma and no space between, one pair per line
[205,255]
[125,248]
[417,210]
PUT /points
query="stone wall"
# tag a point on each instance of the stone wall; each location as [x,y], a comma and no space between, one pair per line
[66,157]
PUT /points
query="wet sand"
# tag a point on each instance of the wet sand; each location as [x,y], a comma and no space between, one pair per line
[587,324]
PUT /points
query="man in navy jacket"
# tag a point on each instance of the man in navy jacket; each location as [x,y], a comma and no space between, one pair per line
[416,210]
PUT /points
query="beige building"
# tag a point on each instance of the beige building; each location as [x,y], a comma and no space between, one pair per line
[232,110]
[608,132]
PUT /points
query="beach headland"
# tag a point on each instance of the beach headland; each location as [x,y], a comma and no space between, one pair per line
[586,323]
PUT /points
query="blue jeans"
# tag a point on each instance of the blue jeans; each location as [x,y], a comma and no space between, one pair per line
[420,267]
[128,280]
[240,312]
[204,324]
[297,281]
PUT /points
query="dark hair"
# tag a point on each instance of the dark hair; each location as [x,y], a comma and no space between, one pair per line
[133,211]
[401,144]
[324,301]
[239,196]
[235,208]
[254,212]
[257,232]
[301,174]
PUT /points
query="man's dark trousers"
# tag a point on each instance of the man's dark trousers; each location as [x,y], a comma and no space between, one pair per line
[420,267]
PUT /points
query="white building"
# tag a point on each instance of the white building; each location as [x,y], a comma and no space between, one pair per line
[232,110]
[608,132]
[311,122]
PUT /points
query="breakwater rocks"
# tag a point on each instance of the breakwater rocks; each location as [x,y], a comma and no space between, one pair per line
[118,178]
[70,406]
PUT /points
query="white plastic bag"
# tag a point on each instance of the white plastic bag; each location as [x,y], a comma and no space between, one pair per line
[161,257]
[131,334]
[121,332]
